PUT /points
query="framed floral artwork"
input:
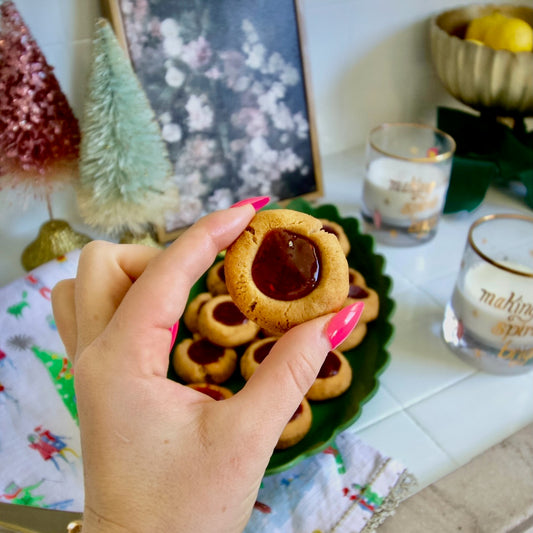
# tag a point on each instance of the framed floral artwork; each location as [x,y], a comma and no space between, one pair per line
[229,84]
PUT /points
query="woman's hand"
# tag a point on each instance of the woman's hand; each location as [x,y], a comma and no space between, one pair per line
[159,456]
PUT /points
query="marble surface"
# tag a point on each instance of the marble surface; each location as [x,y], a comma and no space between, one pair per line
[432,411]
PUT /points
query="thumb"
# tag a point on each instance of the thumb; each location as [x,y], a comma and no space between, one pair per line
[277,387]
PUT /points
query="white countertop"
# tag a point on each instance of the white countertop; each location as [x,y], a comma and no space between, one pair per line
[431,411]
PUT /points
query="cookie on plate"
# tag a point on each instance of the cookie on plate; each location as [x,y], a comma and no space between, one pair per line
[216,280]
[334,377]
[254,355]
[220,321]
[216,392]
[354,338]
[297,427]
[199,360]
[284,270]
[359,292]
[338,231]
[190,316]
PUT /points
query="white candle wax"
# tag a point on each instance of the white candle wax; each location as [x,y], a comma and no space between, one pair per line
[404,191]
[496,306]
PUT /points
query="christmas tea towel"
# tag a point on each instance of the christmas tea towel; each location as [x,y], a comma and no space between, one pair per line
[40,457]
[349,487]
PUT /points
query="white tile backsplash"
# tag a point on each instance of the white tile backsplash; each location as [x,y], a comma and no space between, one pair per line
[369,60]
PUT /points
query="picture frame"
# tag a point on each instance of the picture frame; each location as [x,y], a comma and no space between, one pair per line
[229,83]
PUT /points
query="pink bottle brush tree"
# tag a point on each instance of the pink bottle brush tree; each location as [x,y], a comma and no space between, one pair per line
[39,134]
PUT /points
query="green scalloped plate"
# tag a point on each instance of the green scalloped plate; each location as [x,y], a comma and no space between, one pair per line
[368,360]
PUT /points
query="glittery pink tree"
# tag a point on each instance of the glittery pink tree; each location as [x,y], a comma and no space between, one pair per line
[39,134]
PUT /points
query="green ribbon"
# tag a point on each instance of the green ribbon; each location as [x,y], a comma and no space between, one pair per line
[488,152]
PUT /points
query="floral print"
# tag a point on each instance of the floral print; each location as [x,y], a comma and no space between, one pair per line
[225,81]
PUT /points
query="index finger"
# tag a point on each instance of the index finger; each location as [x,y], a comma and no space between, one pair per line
[157,299]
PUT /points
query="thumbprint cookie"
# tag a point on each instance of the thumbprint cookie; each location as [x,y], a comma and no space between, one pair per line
[359,292]
[190,316]
[284,270]
[216,279]
[220,321]
[334,377]
[338,231]
[254,355]
[354,338]
[216,392]
[200,360]
[297,427]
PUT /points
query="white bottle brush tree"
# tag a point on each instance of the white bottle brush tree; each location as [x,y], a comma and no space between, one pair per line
[125,182]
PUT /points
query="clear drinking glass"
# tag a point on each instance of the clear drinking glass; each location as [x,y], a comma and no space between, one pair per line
[407,174]
[489,319]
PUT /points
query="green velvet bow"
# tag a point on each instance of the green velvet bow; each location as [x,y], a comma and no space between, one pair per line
[488,152]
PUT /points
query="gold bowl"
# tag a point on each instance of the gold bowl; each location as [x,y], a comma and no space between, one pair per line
[485,79]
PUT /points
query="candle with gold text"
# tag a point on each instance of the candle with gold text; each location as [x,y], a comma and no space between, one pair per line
[404,192]
[489,320]
[407,174]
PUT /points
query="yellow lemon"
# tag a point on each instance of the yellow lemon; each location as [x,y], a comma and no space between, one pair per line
[478,28]
[512,34]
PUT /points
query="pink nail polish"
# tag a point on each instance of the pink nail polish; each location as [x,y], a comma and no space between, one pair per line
[343,323]
[174,332]
[257,202]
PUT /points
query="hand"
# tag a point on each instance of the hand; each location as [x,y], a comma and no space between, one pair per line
[159,456]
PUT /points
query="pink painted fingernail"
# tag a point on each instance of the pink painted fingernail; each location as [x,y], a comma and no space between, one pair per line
[174,331]
[257,202]
[343,323]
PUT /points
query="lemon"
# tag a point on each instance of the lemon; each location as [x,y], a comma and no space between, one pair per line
[513,34]
[478,28]
[501,32]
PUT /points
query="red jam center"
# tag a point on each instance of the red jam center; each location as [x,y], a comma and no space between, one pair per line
[204,352]
[329,229]
[286,266]
[228,313]
[357,292]
[263,350]
[297,413]
[215,394]
[222,273]
[330,367]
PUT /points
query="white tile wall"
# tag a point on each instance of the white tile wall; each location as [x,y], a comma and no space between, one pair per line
[369,59]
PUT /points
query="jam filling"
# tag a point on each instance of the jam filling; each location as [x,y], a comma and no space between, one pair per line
[204,352]
[263,350]
[222,273]
[297,413]
[286,266]
[357,292]
[228,313]
[215,394]
[329,229]
[330,367]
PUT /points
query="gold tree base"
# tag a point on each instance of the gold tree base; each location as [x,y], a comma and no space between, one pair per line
[55,238]
[147,239]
